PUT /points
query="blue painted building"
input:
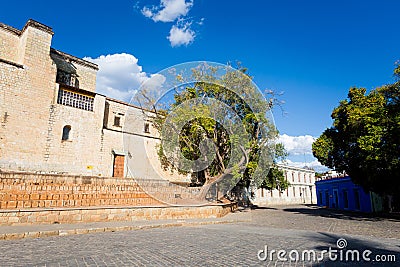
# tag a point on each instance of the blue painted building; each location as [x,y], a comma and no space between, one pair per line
[342,193]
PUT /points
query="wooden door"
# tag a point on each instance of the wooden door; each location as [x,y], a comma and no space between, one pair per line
[119,166]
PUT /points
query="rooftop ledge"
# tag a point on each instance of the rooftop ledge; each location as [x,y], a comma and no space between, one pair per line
[29,23]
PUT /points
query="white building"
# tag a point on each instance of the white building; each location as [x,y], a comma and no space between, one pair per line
[300,191]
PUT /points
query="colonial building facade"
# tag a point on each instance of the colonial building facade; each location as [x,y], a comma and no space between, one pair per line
[52,120]
[300,191]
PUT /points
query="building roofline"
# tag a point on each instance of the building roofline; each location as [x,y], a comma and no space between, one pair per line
[294,168]
[10,29]
[30,23]
[74,59]
[35,24]
[128,104]
[333,179]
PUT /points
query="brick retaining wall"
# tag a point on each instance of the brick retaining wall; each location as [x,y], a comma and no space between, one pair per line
[31,198]
[106,214]
[30,190]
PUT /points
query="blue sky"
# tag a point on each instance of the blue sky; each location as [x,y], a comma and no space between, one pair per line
[312,51]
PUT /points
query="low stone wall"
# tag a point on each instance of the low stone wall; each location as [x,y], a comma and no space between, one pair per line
[106,214]
[31,198]
[20,190]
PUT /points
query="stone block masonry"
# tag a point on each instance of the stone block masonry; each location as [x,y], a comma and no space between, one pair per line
[109,214]
[31,198]
[19,190]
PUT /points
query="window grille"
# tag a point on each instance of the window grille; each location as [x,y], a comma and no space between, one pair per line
[76,100]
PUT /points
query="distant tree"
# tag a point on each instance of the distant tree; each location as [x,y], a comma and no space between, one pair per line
[364,140]
[275,180]
[319,174]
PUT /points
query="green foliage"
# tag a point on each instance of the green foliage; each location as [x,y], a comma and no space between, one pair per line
[275,180]
[364,139]
[259,130]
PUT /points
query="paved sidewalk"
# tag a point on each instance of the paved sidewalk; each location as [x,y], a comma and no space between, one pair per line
[45,230]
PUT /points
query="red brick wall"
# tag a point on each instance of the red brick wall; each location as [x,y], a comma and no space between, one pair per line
[29,190]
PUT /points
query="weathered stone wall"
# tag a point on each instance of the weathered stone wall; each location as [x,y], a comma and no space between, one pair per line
[32,121]
[80,154]
[29,198]
[131,139]
[28,190]
[27,92]
[84,215]
[9,43]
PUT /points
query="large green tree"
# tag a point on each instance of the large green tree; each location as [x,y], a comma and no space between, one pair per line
[364,140]
[236,125]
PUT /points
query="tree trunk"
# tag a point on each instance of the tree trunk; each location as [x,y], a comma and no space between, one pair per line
[207,185]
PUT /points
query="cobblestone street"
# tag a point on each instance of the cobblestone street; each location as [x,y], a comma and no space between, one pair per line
[237,244]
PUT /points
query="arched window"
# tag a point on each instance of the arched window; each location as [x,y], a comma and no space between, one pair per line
[66,131]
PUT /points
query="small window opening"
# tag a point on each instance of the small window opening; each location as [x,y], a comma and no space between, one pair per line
[117,121]
[146,127]
[66,132]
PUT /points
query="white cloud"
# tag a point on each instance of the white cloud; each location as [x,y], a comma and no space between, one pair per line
[147,12]
[168,10]
[297,145]
[201,22]
[119,75]
[155,82]
[300,152]
[181,35]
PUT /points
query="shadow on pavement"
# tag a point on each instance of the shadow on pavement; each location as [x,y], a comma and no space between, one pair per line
[352,252]
[255,207]
[313,210]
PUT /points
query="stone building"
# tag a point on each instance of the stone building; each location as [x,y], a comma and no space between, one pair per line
[300,191]
[52,120]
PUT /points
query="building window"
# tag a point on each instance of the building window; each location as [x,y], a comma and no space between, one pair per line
[146,127]
[66,132]
[74,99]
[298,177]
[66,78]
[63,77]
[292,176]
[294,191]
[117,121]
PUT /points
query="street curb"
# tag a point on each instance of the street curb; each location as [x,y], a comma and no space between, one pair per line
[78,231]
